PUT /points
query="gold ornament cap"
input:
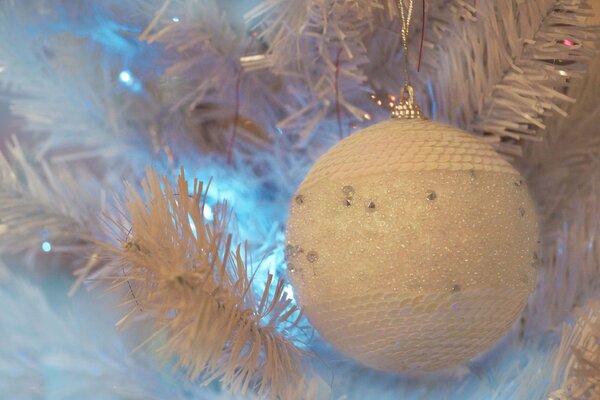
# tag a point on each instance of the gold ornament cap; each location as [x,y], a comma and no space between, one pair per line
[406,107]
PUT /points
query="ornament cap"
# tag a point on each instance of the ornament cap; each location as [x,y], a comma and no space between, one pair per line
[406,107]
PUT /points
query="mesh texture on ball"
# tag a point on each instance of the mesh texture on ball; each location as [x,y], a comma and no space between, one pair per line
[373,151]
[413,246]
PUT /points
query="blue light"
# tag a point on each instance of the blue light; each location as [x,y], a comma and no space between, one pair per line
[175,19]
[47,247]
[289,291]
[125,77]
[561,248]
[130,81]
[208,213]
[432,97]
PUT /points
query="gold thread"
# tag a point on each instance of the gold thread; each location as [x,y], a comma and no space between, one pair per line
[406,108]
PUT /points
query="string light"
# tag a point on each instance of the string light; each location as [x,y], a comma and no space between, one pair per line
[46,247]
[385,101]
[130,81]
[254,61]
[208,213]
[125,77]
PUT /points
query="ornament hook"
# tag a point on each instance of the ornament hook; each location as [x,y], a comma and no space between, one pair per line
[407,108]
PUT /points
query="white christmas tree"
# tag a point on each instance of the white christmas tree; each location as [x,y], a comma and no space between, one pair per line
[250,94]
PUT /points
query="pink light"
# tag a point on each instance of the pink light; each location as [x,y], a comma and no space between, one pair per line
[568,42]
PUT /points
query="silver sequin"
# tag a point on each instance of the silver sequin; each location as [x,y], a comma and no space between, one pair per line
[312,256]
[348,191]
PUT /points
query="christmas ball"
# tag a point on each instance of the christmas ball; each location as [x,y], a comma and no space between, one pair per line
[411,246]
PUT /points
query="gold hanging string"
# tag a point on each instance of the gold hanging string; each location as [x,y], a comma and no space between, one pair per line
[405,21]
[406,107]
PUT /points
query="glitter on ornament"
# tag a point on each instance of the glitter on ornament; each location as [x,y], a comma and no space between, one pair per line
[291,251]
[312,256]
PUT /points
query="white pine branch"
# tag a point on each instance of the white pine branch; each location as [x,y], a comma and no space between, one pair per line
[41,202]
[563,173]
[55,347]
[205,81]
[184,276]
[534,85]
[64,84]
[577,361]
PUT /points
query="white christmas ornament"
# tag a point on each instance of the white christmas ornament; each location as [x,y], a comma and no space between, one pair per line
[412,245]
